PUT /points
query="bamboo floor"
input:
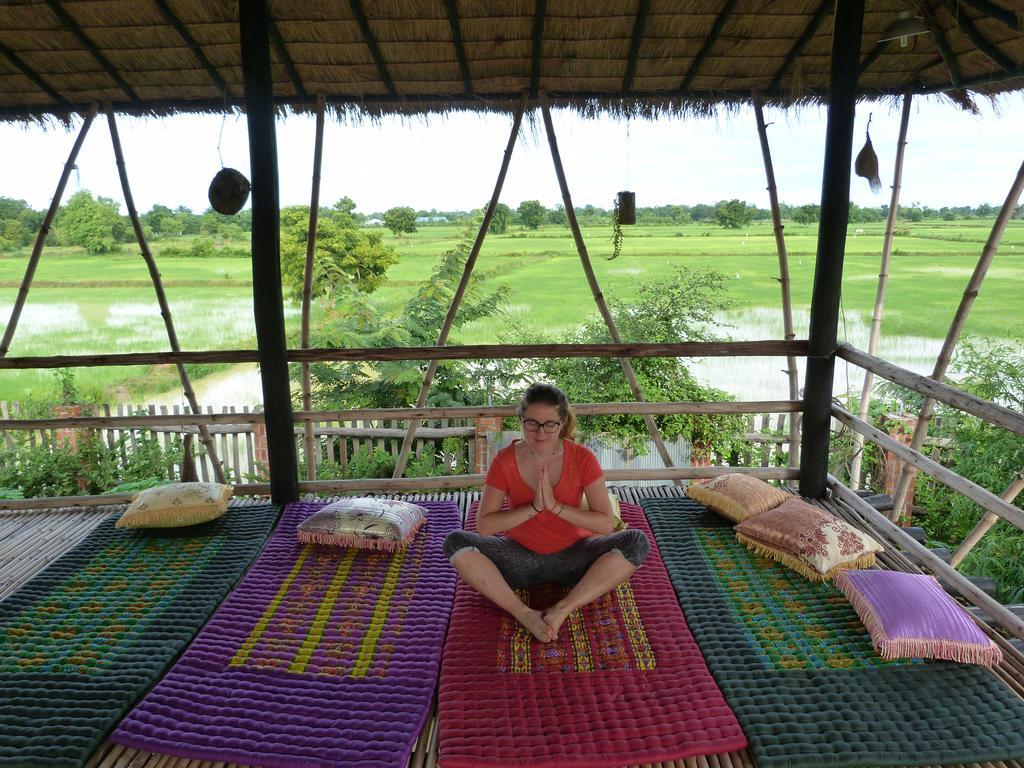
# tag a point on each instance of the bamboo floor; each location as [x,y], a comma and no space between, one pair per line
[32,539]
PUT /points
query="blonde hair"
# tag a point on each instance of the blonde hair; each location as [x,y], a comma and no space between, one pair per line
[543,393]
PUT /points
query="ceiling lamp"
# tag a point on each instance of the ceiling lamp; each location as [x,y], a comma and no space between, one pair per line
[904,26]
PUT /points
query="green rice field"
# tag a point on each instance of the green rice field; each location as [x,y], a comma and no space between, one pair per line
[100,304]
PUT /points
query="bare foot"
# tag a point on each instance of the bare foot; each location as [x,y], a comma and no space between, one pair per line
[553,617]
[534,622]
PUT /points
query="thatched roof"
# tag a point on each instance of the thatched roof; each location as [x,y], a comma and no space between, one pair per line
[409,56]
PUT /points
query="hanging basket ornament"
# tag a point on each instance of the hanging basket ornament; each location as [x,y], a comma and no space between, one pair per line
[228,191]
[625,208]
[866,164]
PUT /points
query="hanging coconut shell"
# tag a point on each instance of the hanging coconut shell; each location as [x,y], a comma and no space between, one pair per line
[228,191]
[866,164]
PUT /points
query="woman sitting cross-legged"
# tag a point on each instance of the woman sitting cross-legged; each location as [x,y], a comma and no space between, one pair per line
[543,535]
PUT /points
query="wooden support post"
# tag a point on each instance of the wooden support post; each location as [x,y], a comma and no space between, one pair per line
[307,285]
[784,283]
[161,296]
[595,289]
[883,282]
[978,532]
[268,303]
[460,291]
[959,319]
[44,230]
[828,272]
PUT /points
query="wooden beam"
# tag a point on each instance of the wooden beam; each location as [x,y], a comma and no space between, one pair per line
[463,352]
[193,46]
[28,72]
[417,483]
[918,552]
[936,390]
[307,283]
[538,43]
[709,44]
[803,40]
[943,45]
[161,295]
[642,11]
[980,496]
[1009,18]
[44,230]
[395,414]
[371,42]
[460,290]
[883,283]
[286,59]
[880,48]
[792,372]
[982,43]
[268,303]
[460,48]
[828,272]
[75,30]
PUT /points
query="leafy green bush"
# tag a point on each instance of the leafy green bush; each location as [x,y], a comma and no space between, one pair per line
[92,468]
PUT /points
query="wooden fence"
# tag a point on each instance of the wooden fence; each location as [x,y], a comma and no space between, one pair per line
[239,445]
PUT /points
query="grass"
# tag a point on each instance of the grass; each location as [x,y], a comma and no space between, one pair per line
[81,304]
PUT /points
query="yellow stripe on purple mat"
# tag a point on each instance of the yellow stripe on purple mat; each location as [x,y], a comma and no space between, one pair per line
[380,615]
[635,628]
[323,613]
[261,625]
[580,642]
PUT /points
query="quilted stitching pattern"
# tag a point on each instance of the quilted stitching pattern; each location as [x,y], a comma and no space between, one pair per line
[908,714]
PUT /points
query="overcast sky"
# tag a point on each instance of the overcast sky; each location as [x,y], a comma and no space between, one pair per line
[953,158]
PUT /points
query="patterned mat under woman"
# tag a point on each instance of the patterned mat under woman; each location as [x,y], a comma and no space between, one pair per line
[323,656]
[623,684]
[84,639]
[798,668]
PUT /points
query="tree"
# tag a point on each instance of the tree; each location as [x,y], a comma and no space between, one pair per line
[558,216]
[400,219]
[531,214]
[94,224]
[807,214]
[345,257]
[499,221]
[733,214]
[359,322]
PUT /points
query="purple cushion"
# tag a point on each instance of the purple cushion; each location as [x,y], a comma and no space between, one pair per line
[910,616]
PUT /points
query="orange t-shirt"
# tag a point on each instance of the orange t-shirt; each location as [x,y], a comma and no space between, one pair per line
[546,532]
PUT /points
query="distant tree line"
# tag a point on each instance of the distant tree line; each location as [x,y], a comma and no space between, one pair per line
[97,224]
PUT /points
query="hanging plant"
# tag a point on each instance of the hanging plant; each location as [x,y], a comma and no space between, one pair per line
[616,234]
[866,164]
[625,213]
[228,191]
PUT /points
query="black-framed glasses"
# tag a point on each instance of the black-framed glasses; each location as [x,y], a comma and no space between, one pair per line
[532,425]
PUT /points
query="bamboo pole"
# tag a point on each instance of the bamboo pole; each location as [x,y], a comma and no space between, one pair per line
[595,289]
[44,230]
[980,496]
[976,406]
[454,412]
[893,533]
[400,484]
[883,282]
[784,282]
[161,297]
[307,282]
[975,535]
[460,291]
[946,353]
[767,348]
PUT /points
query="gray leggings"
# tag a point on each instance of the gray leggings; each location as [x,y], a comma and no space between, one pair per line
[523,568]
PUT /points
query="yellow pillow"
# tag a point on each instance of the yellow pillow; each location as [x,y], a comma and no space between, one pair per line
[176,505]
[737,496]
[616,511]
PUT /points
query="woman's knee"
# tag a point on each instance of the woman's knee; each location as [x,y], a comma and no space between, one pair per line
[633,545]
[458,540]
